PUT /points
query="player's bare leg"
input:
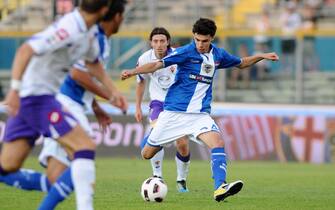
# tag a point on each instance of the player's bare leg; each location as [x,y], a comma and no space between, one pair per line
[149,151]
[183,163]
[13,154]
[219,166]
[55,169]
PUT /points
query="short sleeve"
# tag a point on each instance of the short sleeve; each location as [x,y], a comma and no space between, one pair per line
[93,53]
[141,77]
[80,65]
[51,39]
[227,60]
[178,57]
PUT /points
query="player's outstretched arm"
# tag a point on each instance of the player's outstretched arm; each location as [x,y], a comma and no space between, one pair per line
[85,80]
[144,69]
[115,97]
[21,60]
[250,60]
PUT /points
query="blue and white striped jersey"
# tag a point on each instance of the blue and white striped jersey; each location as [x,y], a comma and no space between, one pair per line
[192,90]
[72,88]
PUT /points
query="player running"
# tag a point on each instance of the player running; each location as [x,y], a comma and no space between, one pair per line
[38,70]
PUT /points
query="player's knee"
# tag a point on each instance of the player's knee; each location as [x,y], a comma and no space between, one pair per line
[10,166]
[219,143]
[183,149]
[91,145]
[146,155]
[85,145]
[52,178]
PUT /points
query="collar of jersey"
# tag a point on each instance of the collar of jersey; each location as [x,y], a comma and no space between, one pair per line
[101,30]
[153,55]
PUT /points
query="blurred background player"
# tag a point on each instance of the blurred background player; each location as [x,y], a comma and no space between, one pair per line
[188,102]
[38,69]
[74,97]
[76,93]
[160,81]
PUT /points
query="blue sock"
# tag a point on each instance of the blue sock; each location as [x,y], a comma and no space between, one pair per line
[26,179]
[59,191]
[219,166]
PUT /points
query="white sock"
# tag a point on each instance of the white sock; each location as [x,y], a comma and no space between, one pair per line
[83,177]
[182,169]
[157,162]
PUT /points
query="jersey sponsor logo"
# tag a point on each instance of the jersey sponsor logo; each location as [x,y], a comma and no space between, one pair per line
[54,117]
[62,34]
[200,78]
[59,36]
[194,61]
[164,81]
[215,127]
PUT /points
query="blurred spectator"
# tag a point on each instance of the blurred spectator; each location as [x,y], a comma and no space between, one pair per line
[62,7]
[309,16]
[2,95]
[262,26]
[260,69]
[290,22]
[240,76]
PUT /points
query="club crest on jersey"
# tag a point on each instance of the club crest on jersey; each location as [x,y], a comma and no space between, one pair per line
[207,68]
[172,69]
[54,117]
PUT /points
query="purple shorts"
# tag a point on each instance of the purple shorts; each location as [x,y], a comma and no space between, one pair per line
[39,115]
[156,107]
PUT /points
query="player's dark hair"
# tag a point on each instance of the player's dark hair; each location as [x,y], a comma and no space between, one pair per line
[204,26]
[160,31]
[92,6]
[117,6]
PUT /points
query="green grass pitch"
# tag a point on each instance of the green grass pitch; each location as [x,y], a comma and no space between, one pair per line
[268,185]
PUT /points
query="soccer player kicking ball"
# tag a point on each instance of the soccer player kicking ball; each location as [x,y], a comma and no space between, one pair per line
[188,102]
[160,81]
[39,68]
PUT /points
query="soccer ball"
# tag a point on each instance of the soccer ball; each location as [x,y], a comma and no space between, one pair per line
[154,189]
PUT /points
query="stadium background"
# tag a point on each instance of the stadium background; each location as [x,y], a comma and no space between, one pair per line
[280,111]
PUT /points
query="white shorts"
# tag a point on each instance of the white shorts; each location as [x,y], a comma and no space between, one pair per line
[51,148]
[170,126]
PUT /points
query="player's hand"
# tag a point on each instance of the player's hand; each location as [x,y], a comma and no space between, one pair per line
[119,101]
[103,118]
[12,102]
[126,74]
[271,56]
[138,115]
